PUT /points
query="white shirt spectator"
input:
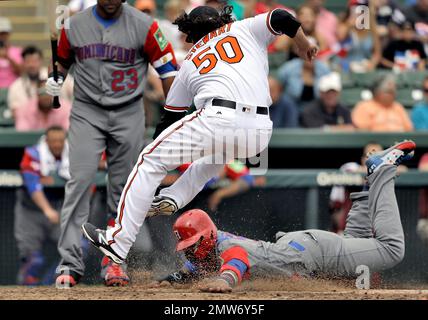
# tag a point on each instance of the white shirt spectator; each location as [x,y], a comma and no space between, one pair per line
[79,5]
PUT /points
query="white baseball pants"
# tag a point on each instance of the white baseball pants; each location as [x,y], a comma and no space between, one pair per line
[209,138]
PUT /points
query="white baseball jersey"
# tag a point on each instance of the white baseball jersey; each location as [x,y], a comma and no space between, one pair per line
[230,63]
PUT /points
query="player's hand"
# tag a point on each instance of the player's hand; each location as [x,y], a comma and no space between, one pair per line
[215,286]
[53,88]
[52,215]
[214,200]
[309,52]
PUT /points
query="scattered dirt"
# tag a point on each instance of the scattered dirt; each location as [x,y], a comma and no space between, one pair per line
[258,289]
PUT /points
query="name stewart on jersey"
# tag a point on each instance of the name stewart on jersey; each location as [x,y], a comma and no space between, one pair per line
[106,52]
[207,38]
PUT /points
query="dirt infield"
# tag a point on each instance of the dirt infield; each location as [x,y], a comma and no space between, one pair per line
[251,290]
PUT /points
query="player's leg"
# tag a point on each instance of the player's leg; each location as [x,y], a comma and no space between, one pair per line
[168,151]
[125,142]
[191,182]
[29,235]
[359,220]
[240,143]
[86,144]
[387,248]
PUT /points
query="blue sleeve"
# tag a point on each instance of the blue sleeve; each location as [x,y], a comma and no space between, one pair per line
[211,182]
[189,266]
[418,119]
[249,179]
[239,265]
[32,182]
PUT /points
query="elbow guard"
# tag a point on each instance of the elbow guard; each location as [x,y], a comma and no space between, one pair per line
[167,119]
[283,22]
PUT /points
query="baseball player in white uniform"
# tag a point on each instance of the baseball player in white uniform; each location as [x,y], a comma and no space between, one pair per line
[225,74]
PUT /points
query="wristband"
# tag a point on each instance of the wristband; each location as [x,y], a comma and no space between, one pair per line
[230,277]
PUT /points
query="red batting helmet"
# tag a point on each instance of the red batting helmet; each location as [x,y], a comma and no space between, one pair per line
[194,226]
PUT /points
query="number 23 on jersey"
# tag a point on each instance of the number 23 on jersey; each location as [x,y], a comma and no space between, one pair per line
[228,49]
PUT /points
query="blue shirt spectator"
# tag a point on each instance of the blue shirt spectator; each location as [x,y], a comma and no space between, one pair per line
[420,116]
[419,113]
[300,79]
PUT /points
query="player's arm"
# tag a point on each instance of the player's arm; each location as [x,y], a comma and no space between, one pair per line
[65,61]
[235,267]
[33,185]
[185,275]
[282,22]
[265,27]
[177,103]
[161,56]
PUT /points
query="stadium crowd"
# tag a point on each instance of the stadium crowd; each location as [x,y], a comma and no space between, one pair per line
[371,75]
[359,80]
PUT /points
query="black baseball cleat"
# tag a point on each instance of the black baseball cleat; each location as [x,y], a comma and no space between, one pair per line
[162,206]
[98,238]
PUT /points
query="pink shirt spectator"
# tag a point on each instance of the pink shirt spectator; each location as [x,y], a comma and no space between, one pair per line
[7,76]
[327,24]
[31,118]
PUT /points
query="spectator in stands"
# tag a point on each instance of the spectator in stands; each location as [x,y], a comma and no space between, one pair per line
[80,5]
[216,4]
[327,112]
[172,9]
[263,6]
[326,21]
[25,87]
[388,13]
[284,112]
[422,227]
[383,112]
[406,53]
[146,6]
[420,111]
[360,48]
[300,79]
[418,15]
[37,209]
[38,114]
[242,8]
[10,56]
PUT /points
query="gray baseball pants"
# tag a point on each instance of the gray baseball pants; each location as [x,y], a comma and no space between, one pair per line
[373,236]
[92,130]
[31,227]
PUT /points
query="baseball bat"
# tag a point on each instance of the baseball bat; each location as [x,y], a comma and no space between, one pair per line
[54,45]
[52,5]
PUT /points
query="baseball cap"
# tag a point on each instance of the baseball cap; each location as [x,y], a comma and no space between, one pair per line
[329,82]
[203,11]
[5,25]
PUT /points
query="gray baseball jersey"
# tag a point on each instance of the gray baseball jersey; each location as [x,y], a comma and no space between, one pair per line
[111,57]
[373,238]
